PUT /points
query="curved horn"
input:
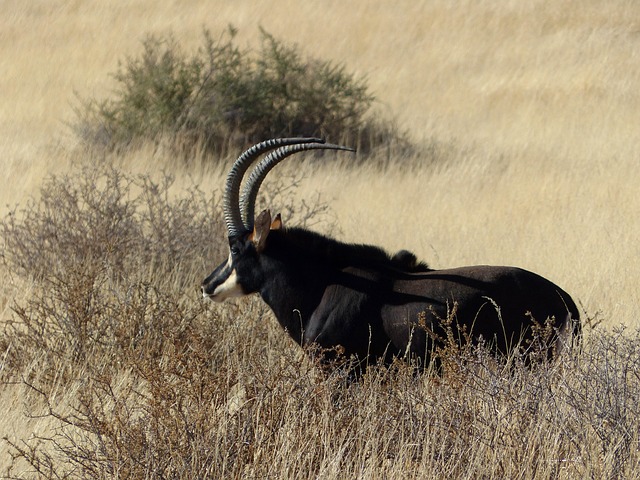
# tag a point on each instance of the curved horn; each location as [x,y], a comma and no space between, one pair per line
[250,190]
[230,200]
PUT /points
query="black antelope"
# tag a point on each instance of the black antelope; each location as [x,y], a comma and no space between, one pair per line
[358,299]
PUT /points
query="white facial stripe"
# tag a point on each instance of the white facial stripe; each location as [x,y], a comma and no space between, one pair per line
[228,289]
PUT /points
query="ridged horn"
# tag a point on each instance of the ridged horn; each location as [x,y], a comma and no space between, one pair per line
[259,173]
[230,200]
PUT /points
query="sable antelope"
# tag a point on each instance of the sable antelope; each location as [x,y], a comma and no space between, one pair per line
[360,300]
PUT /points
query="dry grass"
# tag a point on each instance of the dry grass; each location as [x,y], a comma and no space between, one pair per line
[532,112]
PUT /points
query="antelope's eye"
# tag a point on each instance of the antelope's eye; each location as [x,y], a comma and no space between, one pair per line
[235,250]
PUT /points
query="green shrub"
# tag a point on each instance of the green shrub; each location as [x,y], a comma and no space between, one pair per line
[221,98]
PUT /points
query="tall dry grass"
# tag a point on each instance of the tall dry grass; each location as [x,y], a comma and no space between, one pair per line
[531,110]
[536,104]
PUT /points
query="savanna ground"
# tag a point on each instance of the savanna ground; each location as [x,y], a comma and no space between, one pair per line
[112,366]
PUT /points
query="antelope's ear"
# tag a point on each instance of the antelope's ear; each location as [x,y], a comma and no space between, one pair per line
[261,229]
[277,223]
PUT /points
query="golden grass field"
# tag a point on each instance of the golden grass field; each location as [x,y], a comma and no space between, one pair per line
[539,103]
[534,104]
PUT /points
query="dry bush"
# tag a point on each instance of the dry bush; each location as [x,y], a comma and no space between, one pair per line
[96,253]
